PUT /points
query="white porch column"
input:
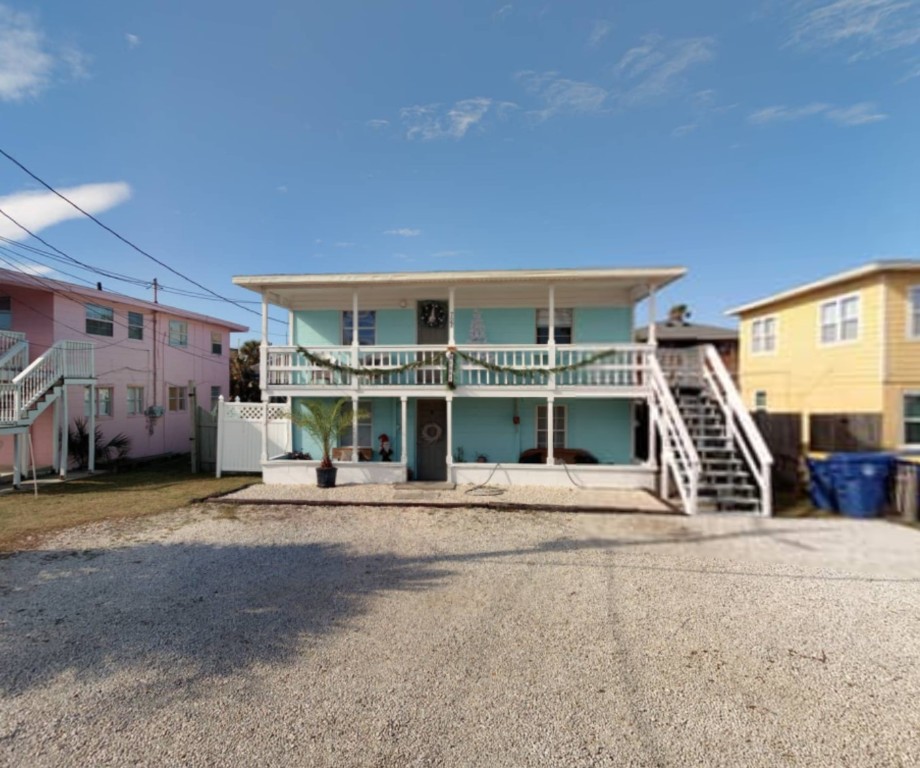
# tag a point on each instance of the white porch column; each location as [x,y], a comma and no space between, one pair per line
[65,427]
[263,378]
[220,434]
[652,459]
[450,434]
[551,341]
[17,459]
[652,334]
[91,465]
[56,435]
[355,357]
[354,425]
[404,435]
[451,305]
[550,428]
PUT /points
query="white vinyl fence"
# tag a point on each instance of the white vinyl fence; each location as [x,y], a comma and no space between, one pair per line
[239,434]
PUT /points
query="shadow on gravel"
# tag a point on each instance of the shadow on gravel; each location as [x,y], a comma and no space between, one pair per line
[186,613]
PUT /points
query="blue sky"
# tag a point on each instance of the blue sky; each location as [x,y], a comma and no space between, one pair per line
[759,144]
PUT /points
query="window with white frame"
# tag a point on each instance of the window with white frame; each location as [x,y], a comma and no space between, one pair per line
[367,327]
[100,321]
[839,320]
[215,396]
[135,400]
[6,313]
[136,326]
[913,321]
[103,401]
[763,335]
[912,419]
[760,400]
[178,333]
[365,428]
[178,398]
[562,326]
[559,425]
[217,343]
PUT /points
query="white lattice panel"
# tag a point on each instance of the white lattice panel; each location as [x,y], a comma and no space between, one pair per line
[240,435]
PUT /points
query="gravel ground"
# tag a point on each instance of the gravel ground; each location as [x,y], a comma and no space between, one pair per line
[256,636]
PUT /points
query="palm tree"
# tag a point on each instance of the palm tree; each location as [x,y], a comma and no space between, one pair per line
[244,372]
[679,314]
[325,422]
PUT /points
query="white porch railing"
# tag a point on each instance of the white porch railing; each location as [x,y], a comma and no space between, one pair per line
[679,459]
[739,423]
[65,360]
[14,354]
[474,365]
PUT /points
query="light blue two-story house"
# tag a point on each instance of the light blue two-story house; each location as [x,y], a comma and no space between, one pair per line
[511,377]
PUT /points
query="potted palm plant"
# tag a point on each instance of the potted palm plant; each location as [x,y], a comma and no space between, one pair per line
[325,422]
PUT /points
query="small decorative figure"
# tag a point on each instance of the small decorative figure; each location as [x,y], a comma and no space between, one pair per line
[386,452]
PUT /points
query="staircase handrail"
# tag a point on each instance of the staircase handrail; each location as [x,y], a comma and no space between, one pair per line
[685,458]
[15,356]
[739,420]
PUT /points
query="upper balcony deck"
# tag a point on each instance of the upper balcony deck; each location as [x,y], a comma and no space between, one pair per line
[474,369]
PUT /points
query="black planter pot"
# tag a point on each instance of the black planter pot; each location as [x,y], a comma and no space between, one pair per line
[325,477]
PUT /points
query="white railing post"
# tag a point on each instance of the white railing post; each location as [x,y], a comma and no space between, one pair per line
[450,437]
[354,428]
[220,434]
[404,437]
[550,429]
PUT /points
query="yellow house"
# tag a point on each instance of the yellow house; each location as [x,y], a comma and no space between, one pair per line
[849,343]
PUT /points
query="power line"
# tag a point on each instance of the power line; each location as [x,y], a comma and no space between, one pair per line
[121,237]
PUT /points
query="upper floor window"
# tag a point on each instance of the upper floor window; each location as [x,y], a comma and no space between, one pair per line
[763,335]
[563,326]
[6,313]
[217,343]
[135,326]
[367,327]
[100,321]
[840,320]
[178,333]
[913,321]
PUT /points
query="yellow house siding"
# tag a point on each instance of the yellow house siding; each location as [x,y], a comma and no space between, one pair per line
[903,351]
[803,375]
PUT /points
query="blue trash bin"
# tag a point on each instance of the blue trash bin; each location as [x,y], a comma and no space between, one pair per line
[820,484]
[860,482]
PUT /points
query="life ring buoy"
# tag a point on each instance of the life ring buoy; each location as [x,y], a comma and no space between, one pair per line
[431,432]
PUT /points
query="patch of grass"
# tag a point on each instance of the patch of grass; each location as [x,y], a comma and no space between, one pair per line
[155,488]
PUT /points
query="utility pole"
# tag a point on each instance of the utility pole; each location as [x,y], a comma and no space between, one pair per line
[156,287]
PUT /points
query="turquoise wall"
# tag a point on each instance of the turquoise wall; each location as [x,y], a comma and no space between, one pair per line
[601,325]
[593,325]
[602,427]
[485,426]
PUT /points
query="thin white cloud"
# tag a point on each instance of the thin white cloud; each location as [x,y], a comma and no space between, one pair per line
[559,95]
[37,270]
[343,244]
[39,210]
[780,113]
[132,40]
[863,113]
[865,27]
[684,130]
[282,188]
[503,12]
[858,114]
[28,63]
[432,121]
[657,66]
[404,232]
[377,124]
[599,30]
[704,107]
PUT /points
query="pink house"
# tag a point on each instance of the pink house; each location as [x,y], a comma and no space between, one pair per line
[64,348]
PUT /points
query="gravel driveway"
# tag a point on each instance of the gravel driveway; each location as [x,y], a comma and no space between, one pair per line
[271,636]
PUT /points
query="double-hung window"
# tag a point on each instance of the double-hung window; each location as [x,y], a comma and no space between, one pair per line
[136,326]
[562,326]
[558,426]
[178,398]
[135,400]
[763,335]
[913,319]
[100,321]
[367,327]
[217,343]
[215,396]
[6,313]
[365,429]
[912,419]
[178,333]
[103,401]
[839,320]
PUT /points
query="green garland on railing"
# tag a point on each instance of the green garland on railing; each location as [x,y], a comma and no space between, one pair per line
[447,360]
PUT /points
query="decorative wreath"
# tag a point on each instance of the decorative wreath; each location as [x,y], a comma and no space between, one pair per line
[433,314]
[431,433]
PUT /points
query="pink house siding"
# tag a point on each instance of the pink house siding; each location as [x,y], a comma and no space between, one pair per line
[122,362]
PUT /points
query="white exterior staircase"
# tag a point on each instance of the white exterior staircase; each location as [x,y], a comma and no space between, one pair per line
[733,462]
